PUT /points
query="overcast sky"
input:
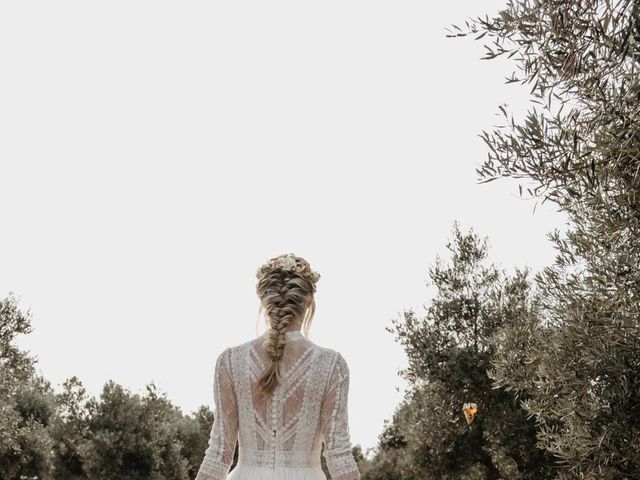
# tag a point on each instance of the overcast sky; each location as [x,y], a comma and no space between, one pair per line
[154,154]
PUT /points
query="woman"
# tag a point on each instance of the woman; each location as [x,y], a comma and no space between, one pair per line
[281,396]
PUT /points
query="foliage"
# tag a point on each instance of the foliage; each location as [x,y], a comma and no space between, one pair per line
[450,354]
[390,461]
[131,437]
[580,374]
[68,435]
[26,405]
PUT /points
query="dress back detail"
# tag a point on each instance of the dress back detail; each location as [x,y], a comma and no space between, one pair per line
[287,429]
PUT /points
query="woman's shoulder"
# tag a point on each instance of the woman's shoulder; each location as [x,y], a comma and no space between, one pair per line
[325,352]
[333,357]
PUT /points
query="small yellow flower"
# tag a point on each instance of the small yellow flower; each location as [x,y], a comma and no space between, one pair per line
[470,410]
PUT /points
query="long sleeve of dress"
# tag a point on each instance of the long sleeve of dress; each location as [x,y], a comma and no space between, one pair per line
[218,456]
[337,444]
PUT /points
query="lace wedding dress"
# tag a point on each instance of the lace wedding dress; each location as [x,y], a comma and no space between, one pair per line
[280,438]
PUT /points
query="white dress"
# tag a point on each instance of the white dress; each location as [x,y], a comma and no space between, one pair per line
[280,438]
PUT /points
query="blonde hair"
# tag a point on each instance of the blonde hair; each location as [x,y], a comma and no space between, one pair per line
[286,286]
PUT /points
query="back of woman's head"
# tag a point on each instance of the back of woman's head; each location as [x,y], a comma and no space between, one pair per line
[286,286]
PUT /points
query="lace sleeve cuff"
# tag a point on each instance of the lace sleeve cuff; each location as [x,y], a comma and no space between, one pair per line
[212,470]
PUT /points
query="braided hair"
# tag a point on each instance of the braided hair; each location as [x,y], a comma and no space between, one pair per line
[286,286]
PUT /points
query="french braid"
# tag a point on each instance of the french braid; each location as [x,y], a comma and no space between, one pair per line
[285,293]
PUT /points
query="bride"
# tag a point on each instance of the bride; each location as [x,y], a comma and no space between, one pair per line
[281,396]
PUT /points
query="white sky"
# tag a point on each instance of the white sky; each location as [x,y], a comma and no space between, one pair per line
[154,154]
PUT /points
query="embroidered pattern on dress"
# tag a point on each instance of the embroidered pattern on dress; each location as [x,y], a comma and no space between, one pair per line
[307,410]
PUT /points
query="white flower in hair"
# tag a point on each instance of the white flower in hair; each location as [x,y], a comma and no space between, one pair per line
[287,262]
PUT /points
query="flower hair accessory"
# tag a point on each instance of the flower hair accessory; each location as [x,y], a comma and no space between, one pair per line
[288,263]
